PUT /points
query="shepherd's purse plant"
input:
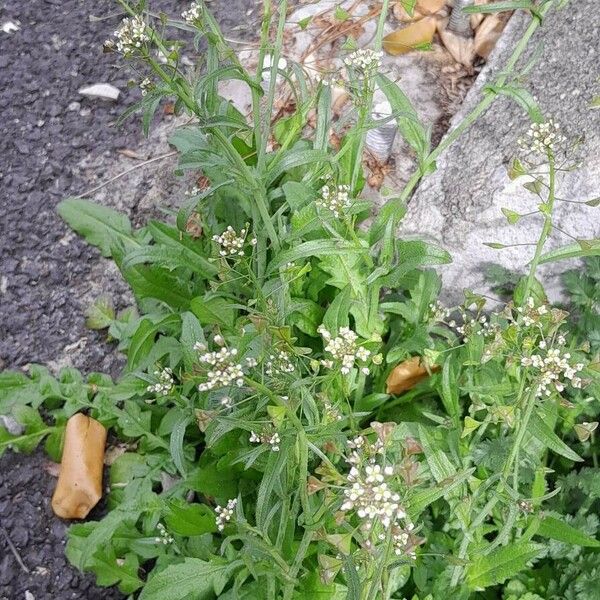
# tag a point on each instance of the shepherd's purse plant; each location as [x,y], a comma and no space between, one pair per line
[300,417]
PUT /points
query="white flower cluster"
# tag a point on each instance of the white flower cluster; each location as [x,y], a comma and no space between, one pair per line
[146,85]
[364,62]
[264,438]
[164,384]
[193,13]
[331,413]
[344,348]
[335,198]
[369,494]
[163,537]
[227,402]
[224,513]
[232,243]
[279,363]
[438,312]
[223,368]
[403,540]
[554,368]
[131,35]
[193,191]
[543,137]
[480,326]
[362,448]
[530,315]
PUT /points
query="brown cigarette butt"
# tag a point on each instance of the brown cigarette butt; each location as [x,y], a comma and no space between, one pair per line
[79,484]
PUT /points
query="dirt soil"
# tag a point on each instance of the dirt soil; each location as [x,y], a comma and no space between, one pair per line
[47,130]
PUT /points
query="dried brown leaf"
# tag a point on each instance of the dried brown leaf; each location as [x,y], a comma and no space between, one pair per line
[413,35]
[488,34]
[423,8]
[460,48]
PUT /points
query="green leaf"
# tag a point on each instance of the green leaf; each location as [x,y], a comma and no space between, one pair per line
[500,564]
[295,158]
[575,250]
[297,194]
[540,430]
[191,332]
[154,282]
[322,247]
[556,529]
[177,440]
[314,589]
[112,571]
[210,481]
[341,14]
[214,310]
[193,579]
[100,314]
[439,464]
[421,254]
[324,112]
[409,6]
[499,7]
[536,291]
[100,226]
[189,519]
[355,587]
[304,23]
[143,340]
[511,216]
[406,116]
[171,259]
[336,315]
[420,500]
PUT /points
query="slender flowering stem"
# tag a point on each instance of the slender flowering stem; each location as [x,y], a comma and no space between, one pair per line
[547,226]
[367,108]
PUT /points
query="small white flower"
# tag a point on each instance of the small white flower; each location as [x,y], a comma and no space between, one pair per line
[542,138]
[224,513]
[163,536]
[165,382]
[132,35]
[231,243]
[146,85]
[193,14]
[364,62]
[344,348]
[223,369]
[271,439]
[279,363]
[335,199]
[227,402]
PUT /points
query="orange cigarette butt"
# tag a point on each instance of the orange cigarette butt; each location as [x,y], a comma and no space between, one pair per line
[406,375]
[79,484]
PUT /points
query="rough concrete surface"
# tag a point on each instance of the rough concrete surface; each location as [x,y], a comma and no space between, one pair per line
[459,206]
[54,142]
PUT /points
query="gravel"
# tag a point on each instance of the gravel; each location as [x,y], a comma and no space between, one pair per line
[48,130]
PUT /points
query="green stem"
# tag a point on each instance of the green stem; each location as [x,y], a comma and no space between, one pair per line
[295,569]
[546,228]
[302,441]
[367,108]
[275,56]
